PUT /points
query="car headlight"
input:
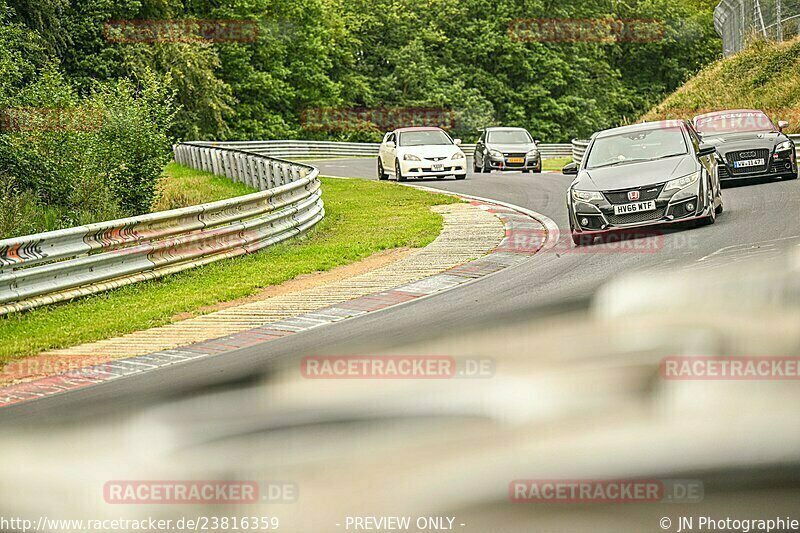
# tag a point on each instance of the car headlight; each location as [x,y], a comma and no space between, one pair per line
[682,183]
[495,153]
[459,155]
[533,153]
[411,157]
[784,146]
[586,196]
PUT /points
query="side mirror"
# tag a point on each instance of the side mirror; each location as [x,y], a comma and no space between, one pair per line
[706,149]
[457,142]
[537,142]
[783,124]
[570,170]
[391,144]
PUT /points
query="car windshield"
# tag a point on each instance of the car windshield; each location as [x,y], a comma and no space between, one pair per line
[423,138]
[509,137]
[636,146]
[734,123]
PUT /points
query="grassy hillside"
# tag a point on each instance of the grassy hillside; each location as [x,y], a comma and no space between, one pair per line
[765,76]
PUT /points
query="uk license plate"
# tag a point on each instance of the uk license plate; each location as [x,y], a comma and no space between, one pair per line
[749,163]
[638,207]
[516,160]
[437,167]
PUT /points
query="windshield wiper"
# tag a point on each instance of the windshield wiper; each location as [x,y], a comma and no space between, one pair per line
[666,156]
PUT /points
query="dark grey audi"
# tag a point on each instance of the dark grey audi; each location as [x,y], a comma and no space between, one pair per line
[640,176]
[749,145]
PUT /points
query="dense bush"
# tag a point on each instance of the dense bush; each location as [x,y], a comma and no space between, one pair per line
[68,158]
[450,54]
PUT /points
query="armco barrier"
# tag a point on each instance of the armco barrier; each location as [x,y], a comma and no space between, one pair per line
[321,149]
[50,267]
[579,150]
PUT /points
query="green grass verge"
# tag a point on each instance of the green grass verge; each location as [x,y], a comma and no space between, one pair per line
[183,186]
[555,164]
[362,218]
[764,76]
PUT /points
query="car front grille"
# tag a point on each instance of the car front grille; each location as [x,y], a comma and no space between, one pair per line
[635,218]
[651,192]
[429,169]
[743,155]
[723,172]
[514,156]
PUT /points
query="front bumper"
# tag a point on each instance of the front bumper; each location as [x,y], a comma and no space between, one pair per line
[597,218]
[779,164]
[424,168]
[504,163]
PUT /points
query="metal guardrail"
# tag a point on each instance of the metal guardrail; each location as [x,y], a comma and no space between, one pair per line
[311,149]
[60,265]
[579,150]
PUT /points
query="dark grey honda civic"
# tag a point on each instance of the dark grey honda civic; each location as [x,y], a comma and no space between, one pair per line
[749,145]
[643,175]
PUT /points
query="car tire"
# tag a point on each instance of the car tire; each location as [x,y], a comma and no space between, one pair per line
[790,177]
[711,218]
[526,171]
[398,175]
[382,176]
[461,176]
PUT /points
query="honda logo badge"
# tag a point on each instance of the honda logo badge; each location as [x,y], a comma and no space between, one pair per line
[633,196]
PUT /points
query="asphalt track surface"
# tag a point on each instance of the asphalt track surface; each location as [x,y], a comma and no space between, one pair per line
[759,220]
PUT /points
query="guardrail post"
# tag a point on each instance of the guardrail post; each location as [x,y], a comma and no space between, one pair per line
[252,170]
[239,175]
[263,175]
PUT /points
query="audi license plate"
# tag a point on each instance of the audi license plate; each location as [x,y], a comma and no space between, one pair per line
[638,207]
[437,167]
[748,163]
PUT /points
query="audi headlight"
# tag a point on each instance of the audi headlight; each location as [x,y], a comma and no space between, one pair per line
[411,157]
[458,155]
[784,146]
[496,154]
[682,183]
[586,196]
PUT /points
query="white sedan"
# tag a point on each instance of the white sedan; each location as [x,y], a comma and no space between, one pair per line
[421,153]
